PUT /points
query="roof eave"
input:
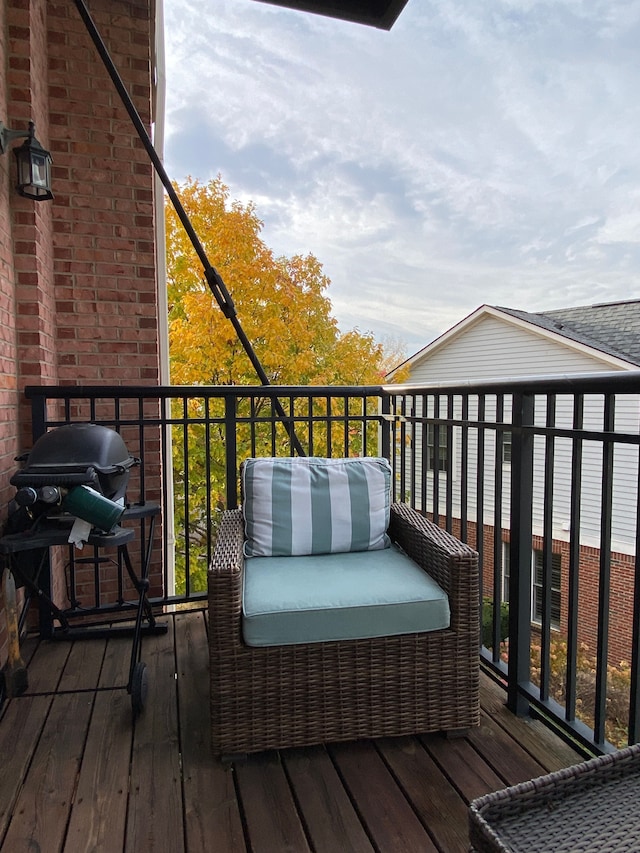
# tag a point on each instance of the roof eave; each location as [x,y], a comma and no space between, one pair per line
[374,13]
[615,362]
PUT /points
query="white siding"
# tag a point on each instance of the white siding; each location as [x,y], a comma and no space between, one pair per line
[492,348]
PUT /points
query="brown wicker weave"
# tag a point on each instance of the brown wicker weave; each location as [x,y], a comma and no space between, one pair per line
[593,806]
[297,695]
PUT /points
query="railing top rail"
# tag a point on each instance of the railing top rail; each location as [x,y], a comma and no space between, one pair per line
[154,391]
[598,383]
[605,382]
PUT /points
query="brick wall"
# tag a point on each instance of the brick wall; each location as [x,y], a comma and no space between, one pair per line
[77,274]
[620,609]
[105,287]
[8,367]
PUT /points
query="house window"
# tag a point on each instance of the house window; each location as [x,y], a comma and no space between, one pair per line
[506,448]
[438,457]
[536,585]
[536,608]
[505,571]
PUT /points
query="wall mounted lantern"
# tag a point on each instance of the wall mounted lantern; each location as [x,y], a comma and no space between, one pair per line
[34,163]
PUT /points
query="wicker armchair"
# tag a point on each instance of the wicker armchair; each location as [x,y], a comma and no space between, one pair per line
[295,695]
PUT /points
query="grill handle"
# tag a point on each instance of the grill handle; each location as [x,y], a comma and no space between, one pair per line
[77,478]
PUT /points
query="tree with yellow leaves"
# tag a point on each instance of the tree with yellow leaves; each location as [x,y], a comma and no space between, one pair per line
[283,309]
[281,302]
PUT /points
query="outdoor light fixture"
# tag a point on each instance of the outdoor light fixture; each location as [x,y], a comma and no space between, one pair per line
[34,162]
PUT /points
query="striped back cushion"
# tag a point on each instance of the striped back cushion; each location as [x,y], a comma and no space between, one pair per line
[300,506]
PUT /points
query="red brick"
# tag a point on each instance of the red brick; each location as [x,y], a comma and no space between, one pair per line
[79,261]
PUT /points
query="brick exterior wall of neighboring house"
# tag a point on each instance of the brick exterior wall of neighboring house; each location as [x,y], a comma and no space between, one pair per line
[78,289]
[620,608]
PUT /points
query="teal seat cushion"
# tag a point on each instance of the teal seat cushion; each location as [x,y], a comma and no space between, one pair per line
[346,596]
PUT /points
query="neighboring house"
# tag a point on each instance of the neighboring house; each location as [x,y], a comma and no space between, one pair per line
[497,343]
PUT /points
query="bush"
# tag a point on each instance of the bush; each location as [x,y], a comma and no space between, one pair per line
[487,622]
[618,687]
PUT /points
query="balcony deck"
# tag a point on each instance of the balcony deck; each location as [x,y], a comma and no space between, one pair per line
[78,776]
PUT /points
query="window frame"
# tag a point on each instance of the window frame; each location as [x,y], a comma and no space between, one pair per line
[537,556]
[443,455]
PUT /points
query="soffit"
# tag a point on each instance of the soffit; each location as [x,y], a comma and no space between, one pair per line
[375,13]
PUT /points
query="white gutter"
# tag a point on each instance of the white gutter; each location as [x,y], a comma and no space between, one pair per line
[158,107]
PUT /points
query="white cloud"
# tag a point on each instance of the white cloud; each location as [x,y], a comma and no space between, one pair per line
[622,228]
[476,153]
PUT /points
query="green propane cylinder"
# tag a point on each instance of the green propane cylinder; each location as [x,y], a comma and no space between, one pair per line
[89,505]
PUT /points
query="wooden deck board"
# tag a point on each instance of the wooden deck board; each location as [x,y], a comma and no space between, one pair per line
[495,746]
[537,739]
[272,819]
[155,816]
[466,770]
[325,805]
[212,816]
[100,807]
[442,809]
[79,776]
[388,815]
[44,803]
[20,731]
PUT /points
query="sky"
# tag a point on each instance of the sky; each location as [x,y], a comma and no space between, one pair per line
[476,153]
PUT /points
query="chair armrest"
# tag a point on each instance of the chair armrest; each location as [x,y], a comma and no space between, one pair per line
[225,582]
[447,560]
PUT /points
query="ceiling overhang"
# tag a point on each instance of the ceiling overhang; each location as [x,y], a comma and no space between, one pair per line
[375,13]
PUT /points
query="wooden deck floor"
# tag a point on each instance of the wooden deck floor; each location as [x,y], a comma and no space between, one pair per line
[78,776]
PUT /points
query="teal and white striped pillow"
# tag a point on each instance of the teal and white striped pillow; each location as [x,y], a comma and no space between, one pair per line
[300,506]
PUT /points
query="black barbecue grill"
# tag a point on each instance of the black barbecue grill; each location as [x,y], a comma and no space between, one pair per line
[74,455]
[91,464]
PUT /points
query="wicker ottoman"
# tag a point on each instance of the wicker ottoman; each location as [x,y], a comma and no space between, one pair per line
[593,806]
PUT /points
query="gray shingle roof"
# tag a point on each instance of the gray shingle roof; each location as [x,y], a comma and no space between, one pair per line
[611,327]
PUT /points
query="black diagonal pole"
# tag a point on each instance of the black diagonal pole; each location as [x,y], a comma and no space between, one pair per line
[212,276]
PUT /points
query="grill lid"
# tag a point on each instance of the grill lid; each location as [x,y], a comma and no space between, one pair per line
[78,454]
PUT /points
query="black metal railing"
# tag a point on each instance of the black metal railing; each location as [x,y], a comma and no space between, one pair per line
[541,476]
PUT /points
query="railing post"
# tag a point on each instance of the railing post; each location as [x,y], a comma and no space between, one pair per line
[385,427]
[38,428]
[231,450]
[604,574]
[634,703]
[520,551]
[574,560]
[38,415]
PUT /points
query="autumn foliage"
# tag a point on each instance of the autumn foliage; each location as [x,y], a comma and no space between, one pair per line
[282,304]
[284,310]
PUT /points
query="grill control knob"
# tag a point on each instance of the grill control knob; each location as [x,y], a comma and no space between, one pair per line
[49,494]
[26,496]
